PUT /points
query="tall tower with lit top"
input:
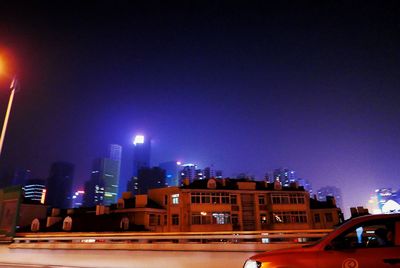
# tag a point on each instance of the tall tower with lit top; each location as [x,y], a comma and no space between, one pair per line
[141,153]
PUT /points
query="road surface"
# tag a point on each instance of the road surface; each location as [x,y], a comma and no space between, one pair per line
[24,258]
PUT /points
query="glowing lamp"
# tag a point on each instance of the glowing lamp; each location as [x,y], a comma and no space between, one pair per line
[1,66]
[139,139]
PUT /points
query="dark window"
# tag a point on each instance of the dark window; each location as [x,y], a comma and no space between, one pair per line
[205,198]
[317,218]
[195,198]
[328,217]
[153,220]
[233,199]
[235,219]
[175,219]
[225,198]
[215,198]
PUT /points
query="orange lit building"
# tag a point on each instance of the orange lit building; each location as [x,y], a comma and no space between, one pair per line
[205,206]
[240,205]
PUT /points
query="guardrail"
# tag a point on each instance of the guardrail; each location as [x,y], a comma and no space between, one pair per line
[198,241]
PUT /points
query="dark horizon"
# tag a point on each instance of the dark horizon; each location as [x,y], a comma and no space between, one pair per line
[248,87]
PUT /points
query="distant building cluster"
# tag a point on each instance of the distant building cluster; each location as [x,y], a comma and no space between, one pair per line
[199,206]
[177,196]
[384,200]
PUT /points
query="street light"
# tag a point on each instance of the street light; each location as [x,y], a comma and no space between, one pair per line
[13,87]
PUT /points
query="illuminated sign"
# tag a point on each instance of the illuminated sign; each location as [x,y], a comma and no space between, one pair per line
[43,198]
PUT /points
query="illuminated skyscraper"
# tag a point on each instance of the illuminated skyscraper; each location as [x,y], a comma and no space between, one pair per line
[115,152]
[35,190]
[59,185]
[141,153]
[284,175]
[94,190]
[103,185]
[188,171]
[171,172]
[77,199]
[112,170]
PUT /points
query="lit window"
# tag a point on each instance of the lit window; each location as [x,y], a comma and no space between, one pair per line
[175,199]
[221,218]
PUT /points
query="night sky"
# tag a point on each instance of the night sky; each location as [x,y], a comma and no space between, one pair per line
[249,87]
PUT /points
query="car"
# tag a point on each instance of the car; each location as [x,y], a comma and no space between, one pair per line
[366,241]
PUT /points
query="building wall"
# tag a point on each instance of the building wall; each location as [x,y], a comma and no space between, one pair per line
[248,209]
[322,220]
[28,212]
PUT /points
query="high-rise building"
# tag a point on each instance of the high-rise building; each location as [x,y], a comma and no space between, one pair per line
[34,191]
[94,191]
[199,174]
[115,152]
[109,171]
[103,185]
[209,172]
[331,191]
[188,171]
[171,172]
[284,175]
[59,185]
[150,178]
[77,199]
[102,189]
[141,153]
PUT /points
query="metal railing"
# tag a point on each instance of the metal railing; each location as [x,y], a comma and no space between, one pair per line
[260,240]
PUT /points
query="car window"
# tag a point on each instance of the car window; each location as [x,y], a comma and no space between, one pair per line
[366,235]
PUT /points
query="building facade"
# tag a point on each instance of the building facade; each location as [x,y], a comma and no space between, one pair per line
[59,185]
[150,178]
[189,172]
[102,188]
[171,172]
[141,153]
[238,205]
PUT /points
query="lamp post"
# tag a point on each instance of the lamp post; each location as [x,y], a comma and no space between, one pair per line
[13,88]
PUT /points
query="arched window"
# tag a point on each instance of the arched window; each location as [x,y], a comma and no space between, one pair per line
[124,224]
[67,224]
[35,225]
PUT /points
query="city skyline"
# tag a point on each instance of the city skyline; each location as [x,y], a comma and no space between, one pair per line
[248,87]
